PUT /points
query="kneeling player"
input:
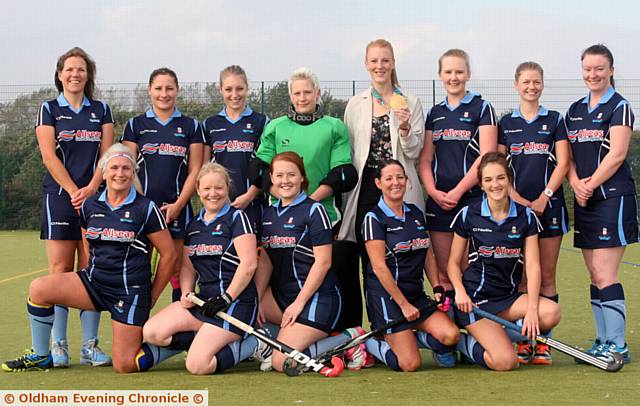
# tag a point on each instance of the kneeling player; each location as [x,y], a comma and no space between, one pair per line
[120,223]
[502,235]
[220,253]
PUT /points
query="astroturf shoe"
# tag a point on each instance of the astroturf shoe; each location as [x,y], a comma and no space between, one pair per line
[91,354]
[596,348]
[60,354]
[357,357]
[29,361]
[541,355]
[444,359]
[610,348]
[263,353]
[525,352]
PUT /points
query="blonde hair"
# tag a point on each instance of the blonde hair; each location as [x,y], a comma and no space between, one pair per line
[529,65]
[213,167]
[119,149]
[234,70]
[303,73]
[459,53]
[383,43]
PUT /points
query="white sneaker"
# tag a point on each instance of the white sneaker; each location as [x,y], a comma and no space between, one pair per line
[263,353]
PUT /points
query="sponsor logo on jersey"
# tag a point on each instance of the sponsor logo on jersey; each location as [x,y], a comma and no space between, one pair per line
[394,228]
[80,135]
[530,148]
[285,141]
[232,146]
[604,236]
[66,136]
[415,244]
[58,118]
[289,223]
[499,252]
[585,135]
[575,118]
[517,130]
[96,215]
[451,134]
[164,149]
[438,119]
[481,230]
[205,250]
[59,223]
[110,234]
[516,149]
[217,130]
[147,131]
[276,241]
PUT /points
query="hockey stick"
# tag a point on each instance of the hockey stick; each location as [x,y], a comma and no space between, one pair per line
[337,365]
[339,349]
[614,365]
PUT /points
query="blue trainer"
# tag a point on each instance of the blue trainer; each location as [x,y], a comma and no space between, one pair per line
[444,359]
[29,361]
[91,354]
[611,348]
[60,354]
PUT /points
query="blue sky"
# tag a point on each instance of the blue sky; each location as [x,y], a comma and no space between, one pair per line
[128,39]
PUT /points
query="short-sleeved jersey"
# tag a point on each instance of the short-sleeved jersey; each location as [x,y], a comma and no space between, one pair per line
[234,143]
[589,133]
[323,145]
[406,243]
[456,138]
[163,152]
[495,248]
[78,136]
[288,236]
[117,236]
[531,147]
[213,253]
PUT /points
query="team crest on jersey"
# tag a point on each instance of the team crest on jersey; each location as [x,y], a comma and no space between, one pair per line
[127,217]
[419,225]
[598,118]
[604,236]
[179,132]
[248,126]
[119,306]
[248,130]
[93,118]
[465,117]
[289,223]
[514,233]
[217,230]
[554,224]
[544,130]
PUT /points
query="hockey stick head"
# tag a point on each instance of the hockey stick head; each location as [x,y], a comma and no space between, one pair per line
[616,363]
[337,366]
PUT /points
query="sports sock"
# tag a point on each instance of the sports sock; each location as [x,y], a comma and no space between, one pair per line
[41,318]
[326,344]
[273,329]
[426,340]
[234,353]
[60,323]
[90,321]
[614,312]
[181,341]
[176,293]
[382,351]
[472,349]
[598,315]
[151,355]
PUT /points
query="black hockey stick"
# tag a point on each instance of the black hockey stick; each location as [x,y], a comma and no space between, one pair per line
[338,350]
[614,365]
[336,364]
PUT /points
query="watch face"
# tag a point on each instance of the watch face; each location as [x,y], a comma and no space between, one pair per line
[548,192]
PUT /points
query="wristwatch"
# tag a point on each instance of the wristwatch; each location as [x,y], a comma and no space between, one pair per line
[548,192]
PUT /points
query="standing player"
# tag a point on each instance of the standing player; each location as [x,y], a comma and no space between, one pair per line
[397,241]
[169,147]
[231,139]
[459,131]
[303,298]
[502,236]
[535,141]
[120,223]
[73,131]
[599,130]
[220,257]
